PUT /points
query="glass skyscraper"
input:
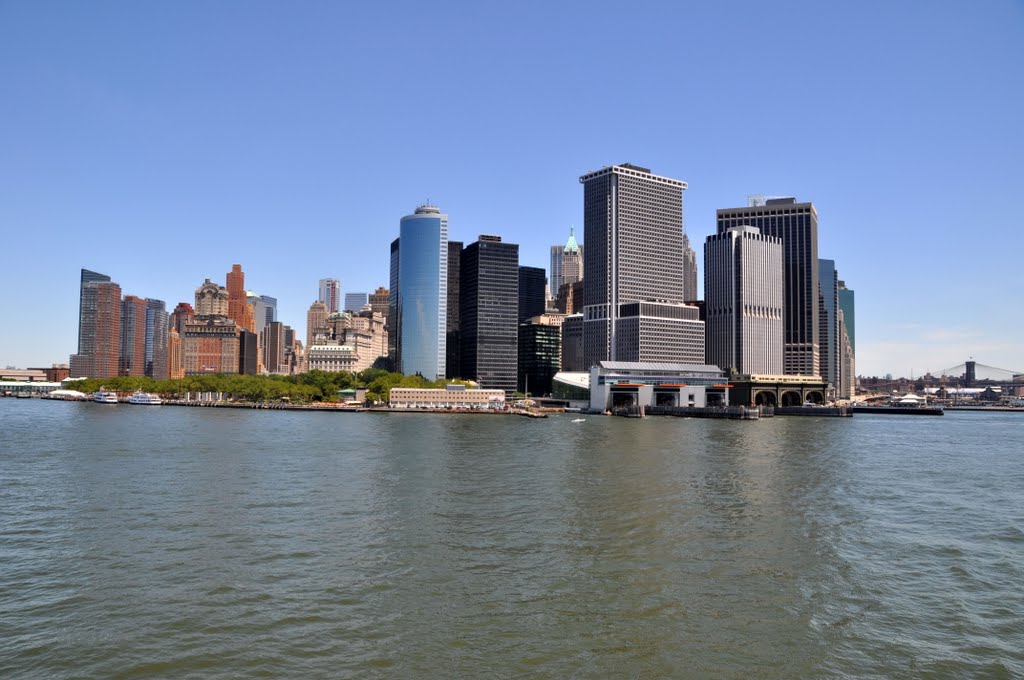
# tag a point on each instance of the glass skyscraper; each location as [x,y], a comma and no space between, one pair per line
[422,299]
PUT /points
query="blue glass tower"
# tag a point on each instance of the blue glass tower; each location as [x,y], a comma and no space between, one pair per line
[422,300]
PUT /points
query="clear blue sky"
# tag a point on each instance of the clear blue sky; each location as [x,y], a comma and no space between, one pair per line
[160,143]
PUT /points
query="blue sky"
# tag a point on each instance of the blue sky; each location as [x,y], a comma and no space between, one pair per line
[160,143]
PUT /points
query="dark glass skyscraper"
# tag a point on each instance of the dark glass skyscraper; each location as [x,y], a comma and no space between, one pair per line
[797,225]
[531,292]
[452,336]
[540,356]
[489,313]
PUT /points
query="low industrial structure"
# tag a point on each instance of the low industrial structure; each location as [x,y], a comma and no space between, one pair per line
[633,384]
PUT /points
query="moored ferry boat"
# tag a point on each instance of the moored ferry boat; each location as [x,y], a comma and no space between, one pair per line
[104,396]
[144,399]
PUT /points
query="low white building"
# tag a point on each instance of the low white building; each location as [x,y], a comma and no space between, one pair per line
[450,397]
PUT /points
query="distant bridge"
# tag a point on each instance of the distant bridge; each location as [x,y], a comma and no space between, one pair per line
[981,372]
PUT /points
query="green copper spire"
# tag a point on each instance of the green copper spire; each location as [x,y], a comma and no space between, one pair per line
[571,246]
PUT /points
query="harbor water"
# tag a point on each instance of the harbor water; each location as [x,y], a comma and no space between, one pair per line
[164,542]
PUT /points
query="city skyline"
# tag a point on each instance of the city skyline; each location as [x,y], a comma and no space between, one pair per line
[911,149]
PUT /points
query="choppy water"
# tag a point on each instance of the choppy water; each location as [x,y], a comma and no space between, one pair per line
[169,542]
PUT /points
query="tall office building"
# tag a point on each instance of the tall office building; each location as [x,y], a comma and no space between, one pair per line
[743,301]
[87,277]
[271,312]
[422,301]
[566,263]
[532,300]
[133,336]
[99,328]
[156,339]
[689,271]
[354,302]
[797,225]
[633,269]
[394,315]
[452,361]
[828,330]
[847,304]
[273,344]
[239,310]
[330,294]
[540,353]
[175,367]
[316,318]
[489,313]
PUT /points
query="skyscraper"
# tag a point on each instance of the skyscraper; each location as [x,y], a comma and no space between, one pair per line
[330,294]
[689,271]
[316,318]
[87,277]
[452,337]
[828,331]
[633,269]
[133,336]
[847,304]
[356,301]
[394,313]
[489,313]
[566,263]
[743,301]
[271,311]
[540,353]
[797,225]
[99,328]
[239,310]
[532,300]
[422,301]
[156,339]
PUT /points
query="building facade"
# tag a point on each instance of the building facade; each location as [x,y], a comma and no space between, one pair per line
[99,328]
[422,304]
[488,313]
[743,303]
[453,362]
[355,302]
[157,328]
[633,227]
[330,295]
[239,310]
[532,295]
[316,318]
[540,353]
[796,224]
[210,342]
[133,336]
[689,271]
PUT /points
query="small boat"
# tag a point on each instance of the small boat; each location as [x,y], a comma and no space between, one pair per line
[579,420]
[104,396]
[144,399]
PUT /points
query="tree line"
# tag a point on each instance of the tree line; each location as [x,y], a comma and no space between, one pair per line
[314,386]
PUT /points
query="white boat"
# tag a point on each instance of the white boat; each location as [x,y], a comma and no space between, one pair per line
[144,398]
[104,396]
[579,420]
